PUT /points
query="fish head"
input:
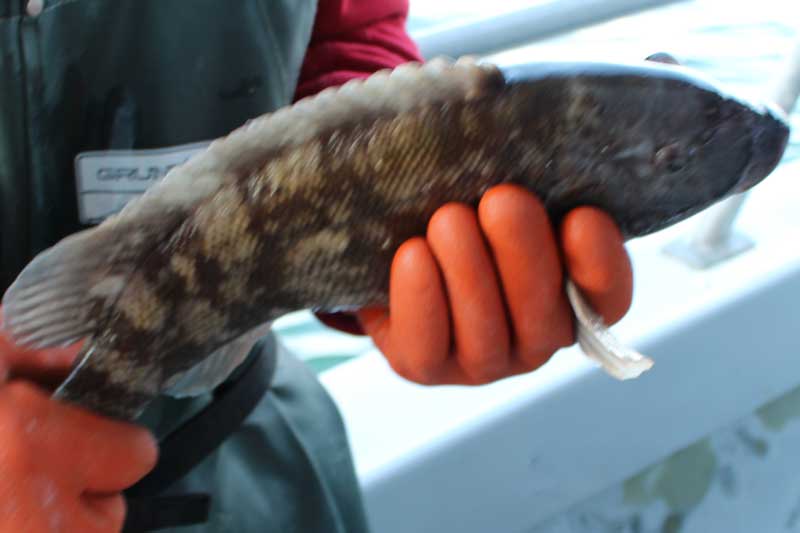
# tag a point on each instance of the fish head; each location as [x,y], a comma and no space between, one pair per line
[770,137]
[707,136]
[682,144]
[649,143]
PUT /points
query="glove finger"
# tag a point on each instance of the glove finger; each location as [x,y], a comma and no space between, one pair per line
[84,514]
[104,455]
[127,453]
[596,259]
[415,335]
[103,512]
[376,324]
[525,251]
[46,367]
[480,326]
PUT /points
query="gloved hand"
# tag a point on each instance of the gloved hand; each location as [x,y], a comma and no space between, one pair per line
[61,468]
[482,297]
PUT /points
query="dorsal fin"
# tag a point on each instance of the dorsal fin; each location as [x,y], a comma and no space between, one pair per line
[385,92]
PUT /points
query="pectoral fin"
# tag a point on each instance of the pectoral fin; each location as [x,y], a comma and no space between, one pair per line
[600,345]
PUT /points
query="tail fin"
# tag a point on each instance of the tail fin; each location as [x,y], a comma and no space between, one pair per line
[57,299]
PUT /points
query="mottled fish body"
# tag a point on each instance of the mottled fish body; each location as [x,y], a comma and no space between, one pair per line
[305,207]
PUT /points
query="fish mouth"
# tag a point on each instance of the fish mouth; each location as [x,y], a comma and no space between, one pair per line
[771,136]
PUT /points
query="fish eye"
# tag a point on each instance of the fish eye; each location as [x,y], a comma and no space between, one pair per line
[671,157]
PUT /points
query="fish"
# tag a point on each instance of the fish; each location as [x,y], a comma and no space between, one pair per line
[304,207]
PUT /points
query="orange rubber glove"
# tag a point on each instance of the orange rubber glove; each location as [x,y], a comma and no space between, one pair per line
[61,468]
[482,297]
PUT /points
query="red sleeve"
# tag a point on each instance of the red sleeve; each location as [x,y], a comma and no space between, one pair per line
[353,39]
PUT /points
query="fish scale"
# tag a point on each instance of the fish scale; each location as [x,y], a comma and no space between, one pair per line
[305,207]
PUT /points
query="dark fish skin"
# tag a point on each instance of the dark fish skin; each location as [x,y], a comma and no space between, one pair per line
[650,145]
[316,225]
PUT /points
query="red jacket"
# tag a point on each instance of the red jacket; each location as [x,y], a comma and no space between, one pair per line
[353,39]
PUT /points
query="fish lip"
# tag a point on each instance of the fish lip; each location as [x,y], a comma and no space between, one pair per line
[770,139]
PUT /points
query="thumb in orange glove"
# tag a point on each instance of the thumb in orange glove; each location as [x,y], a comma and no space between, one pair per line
[482,297]
[61,468]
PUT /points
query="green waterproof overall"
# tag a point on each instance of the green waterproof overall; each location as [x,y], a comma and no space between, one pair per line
[267,451]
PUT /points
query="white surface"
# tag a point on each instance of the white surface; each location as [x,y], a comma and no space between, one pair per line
[457,459]
[741,478]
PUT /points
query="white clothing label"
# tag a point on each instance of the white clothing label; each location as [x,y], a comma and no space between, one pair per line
[107,180]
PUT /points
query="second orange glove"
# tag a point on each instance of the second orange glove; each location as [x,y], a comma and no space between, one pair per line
[61,468]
